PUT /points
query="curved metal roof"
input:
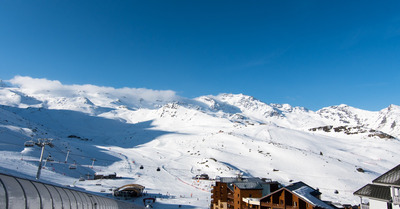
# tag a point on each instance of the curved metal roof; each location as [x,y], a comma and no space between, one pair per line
[22,193]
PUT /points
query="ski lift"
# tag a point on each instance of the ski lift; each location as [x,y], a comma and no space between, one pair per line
[141,167]
[158,169]
[49,158]
[29,143]
[72,167]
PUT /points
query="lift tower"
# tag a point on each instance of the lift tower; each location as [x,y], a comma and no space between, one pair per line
[42,143]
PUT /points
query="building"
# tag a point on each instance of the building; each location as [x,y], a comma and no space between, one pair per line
[228,192]
[17,192]
[383,192]
[129,191]
[294,196]
[98,175]
[202,177]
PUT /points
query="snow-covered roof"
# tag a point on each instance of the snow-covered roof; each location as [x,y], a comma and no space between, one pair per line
[392,177]
[305,192]
[104,173]
[130,187]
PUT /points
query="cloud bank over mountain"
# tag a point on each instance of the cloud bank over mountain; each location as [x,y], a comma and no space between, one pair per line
[99,95]
[220,135]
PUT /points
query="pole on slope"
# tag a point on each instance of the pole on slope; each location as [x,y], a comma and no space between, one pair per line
[93,159]
[42,143]
[66,159]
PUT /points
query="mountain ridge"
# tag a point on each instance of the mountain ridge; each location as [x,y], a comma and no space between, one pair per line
[219,135]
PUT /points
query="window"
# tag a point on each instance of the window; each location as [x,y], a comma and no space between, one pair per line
[294,204]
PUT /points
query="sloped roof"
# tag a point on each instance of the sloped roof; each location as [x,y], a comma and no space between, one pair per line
[130,187]
[374,191]
[304,192]
[308,194]
[392,177]
[300,184]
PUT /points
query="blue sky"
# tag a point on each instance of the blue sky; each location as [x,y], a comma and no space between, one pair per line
[306,53]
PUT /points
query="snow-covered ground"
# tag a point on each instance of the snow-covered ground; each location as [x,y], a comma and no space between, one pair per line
[124,129]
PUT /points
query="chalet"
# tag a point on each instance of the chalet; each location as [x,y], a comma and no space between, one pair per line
[383,192]
[294,196]
[228,192]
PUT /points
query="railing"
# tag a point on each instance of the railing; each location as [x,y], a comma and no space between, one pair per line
[270,204]
[396,200]
[230,201]
[364,206]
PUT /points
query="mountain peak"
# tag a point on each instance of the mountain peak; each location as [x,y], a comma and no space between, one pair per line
[393,107]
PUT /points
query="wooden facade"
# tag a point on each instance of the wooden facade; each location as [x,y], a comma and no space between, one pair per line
[294,197]
[240,193]
[219,195]
[227,193]
[284,199]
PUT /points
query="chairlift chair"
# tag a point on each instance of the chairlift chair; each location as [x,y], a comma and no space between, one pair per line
[73,166]
[49,158]
[29,143]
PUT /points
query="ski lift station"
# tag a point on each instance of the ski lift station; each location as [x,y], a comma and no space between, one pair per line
[129,190]
[24,193]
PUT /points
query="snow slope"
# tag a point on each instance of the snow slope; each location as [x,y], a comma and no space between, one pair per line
[124,129]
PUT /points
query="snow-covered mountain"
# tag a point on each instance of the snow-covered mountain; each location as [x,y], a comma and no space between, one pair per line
[219,135]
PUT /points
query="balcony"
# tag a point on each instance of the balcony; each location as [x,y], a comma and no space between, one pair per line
[396,200]
[364,206]
[230,202]
[274,205]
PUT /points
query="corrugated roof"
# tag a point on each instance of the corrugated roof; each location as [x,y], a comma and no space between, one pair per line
[392,177]
[374,191]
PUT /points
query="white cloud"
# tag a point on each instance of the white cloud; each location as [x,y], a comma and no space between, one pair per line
[41,87]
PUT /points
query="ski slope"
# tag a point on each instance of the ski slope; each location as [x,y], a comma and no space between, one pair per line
[124,129]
